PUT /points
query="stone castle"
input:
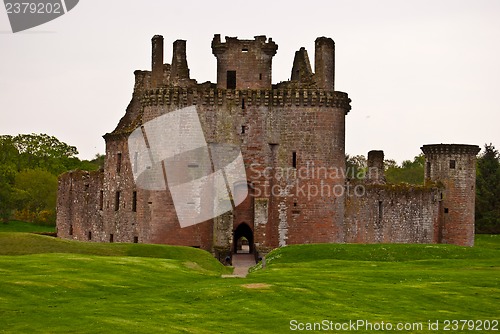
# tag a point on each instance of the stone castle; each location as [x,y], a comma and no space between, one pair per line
[292,139]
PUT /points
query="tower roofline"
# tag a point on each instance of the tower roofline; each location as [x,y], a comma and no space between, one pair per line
[450,148]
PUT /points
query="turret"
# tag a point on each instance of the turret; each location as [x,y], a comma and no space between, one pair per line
[180,68]
[244,64]
[324,63]
[157,60]
[455,167]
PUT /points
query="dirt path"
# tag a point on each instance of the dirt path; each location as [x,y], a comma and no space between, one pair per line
[241,264]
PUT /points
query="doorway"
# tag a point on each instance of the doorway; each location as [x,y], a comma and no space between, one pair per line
[243,240]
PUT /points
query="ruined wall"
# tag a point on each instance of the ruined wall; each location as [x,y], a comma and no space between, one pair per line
[301,70]
[119,211]
[391,214]
[79,202]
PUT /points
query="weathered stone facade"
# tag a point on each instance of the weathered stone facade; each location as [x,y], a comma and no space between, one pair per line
[292,139]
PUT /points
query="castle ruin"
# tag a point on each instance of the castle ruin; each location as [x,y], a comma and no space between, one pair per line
[292,139]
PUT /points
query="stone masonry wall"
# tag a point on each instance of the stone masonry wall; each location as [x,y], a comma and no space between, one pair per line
[391,214]
[79,214]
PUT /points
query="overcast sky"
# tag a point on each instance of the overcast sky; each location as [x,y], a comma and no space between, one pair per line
[418,72]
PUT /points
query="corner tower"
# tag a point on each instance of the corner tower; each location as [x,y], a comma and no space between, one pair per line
[244,64]
[455,167]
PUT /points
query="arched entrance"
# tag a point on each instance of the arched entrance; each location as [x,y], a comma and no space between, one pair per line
[243,239]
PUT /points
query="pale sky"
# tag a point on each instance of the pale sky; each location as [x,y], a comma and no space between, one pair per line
[418,71]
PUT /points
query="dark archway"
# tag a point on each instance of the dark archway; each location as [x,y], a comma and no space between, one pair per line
[242,232]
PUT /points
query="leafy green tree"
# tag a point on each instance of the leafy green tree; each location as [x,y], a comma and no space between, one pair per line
[44,151]
[8,151]
[6,205]
[390,163]
[488,191]
[411,172]
[355,167]
[10,197]
[38,190]
[29,166]
[98,161]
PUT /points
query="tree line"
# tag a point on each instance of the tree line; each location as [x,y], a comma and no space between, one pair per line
[29,166]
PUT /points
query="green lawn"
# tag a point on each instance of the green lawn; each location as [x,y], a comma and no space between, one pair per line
[19,226]
[49,285]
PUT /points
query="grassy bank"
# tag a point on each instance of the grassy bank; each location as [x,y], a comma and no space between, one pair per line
[19,226]
[60,286]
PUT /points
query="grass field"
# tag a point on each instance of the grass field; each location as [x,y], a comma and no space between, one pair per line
[19,226]
[49,285]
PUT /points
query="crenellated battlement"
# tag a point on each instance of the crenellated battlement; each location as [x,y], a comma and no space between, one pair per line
[274,97]
[261,43]
[451,149]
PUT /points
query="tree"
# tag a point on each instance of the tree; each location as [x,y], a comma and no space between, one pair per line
[355,166]
[5,194]
[29,166]
[44,151]
[10,197]
[488,191]
[8,151]
[38,195]
[411,172]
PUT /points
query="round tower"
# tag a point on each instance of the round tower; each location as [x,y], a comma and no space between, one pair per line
[455,167]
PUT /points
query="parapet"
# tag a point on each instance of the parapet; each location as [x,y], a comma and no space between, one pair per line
[268,46]
[273,97]
[450,149]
